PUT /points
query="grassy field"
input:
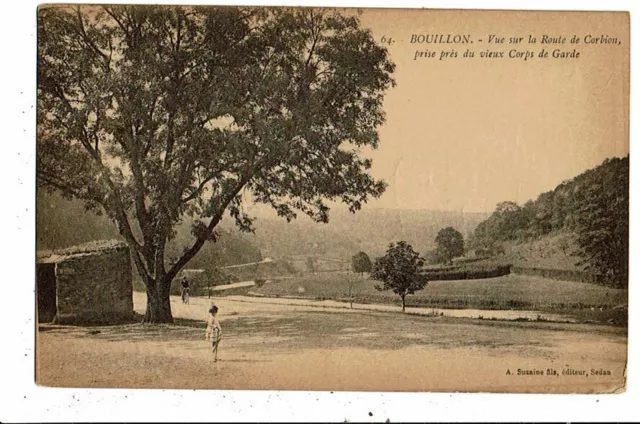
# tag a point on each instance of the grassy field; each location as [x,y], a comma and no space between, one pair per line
[507,292]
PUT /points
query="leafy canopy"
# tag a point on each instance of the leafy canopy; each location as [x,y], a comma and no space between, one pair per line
[450,244]
[399,270]
[602,224]
[154,114]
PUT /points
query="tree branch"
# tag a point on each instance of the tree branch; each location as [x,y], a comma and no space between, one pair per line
[119,211]
[215,220]
[315,35]
[88,40]
[198,189]
[139,199]
[115,18]
[59,185]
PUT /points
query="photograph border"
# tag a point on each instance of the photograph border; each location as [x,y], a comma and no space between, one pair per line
[23,401]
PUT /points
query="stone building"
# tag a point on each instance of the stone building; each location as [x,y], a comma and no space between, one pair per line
[85,284]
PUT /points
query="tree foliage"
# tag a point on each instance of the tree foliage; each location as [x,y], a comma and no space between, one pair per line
[361,263]
[602,226]
[157,114]
[399,270]
[449,244]
[508,222]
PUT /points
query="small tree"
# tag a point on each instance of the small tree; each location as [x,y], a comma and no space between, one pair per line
[450,244]
[352,281]
[361,263]
[399,269]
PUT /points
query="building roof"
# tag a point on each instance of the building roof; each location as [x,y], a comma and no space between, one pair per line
[85,249]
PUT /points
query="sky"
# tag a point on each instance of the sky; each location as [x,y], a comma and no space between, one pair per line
[465,134]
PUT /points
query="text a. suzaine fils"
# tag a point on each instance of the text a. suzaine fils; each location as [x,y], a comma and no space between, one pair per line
[569,372]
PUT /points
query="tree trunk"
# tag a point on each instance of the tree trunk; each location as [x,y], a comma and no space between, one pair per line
[403,304]
[158,305]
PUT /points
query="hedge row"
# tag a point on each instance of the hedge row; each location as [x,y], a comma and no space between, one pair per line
[468,273]
[441,268]
[469,264]
[569,275]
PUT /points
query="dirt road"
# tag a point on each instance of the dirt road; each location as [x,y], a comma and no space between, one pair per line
[275,346]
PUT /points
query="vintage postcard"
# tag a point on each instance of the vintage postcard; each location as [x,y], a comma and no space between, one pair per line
[332,199]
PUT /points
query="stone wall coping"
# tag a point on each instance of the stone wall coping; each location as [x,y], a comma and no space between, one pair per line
[88,249]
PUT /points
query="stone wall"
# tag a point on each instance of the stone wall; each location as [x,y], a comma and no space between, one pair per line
[95,287]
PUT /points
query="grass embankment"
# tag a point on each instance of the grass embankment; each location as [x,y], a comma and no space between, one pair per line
[587,302]
[553,251]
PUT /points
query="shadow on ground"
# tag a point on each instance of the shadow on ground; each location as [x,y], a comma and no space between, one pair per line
[182,329]
[312,330]
[322,330]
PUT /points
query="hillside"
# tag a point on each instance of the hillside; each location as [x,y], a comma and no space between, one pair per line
[583,224]
[552,251]
[61,223]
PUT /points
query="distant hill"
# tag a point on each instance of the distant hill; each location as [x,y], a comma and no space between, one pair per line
[369,230]
[62,223]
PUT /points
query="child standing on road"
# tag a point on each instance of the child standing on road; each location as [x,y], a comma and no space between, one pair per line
[214,331]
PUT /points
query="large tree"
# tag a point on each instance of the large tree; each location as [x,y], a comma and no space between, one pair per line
[399,270]
[155,115]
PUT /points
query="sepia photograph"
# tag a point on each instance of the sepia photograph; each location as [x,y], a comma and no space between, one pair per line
[332,199]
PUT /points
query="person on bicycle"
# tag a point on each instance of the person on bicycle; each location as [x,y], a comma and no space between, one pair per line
[213,332]
[184,289]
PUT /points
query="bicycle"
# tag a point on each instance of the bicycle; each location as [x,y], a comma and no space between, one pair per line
[185,295]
